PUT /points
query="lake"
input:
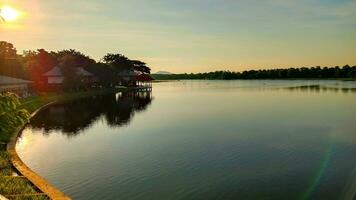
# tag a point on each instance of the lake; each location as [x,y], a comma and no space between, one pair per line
[201,140]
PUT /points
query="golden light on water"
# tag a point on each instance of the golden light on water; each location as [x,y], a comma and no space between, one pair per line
[8,14]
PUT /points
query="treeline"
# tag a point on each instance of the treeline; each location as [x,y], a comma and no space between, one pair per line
[32,64]
[290,73]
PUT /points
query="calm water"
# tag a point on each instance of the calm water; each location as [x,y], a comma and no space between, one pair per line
[201,140]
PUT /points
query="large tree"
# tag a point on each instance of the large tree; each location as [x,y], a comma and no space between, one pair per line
[140,66]
[10,64]
[68,62]
[118,61]
[77,58]
[7,50]
[37,63]
[105,74]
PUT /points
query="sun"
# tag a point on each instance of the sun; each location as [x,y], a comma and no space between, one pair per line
[8,14]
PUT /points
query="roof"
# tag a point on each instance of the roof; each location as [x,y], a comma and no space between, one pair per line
[6,80]
[83,72]
[144,77]
[128,72]
[56,71]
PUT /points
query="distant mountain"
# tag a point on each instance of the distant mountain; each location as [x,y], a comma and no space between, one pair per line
[163,72]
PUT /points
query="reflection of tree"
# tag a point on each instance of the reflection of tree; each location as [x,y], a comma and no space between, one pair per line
[320,88]
[72,117]
[124,105]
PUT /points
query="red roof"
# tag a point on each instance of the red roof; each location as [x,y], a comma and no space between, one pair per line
[144,77]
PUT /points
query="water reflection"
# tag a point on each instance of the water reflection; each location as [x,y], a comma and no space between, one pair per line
[201,140]
[321,88]
[71,118]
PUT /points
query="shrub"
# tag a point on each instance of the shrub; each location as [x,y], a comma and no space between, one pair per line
[11,115]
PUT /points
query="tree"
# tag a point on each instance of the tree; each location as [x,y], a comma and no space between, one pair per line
[140,66]
[118,61]
[352,73]
[71,79]
[104,74]
[7,50]
[11,115]
[78,59]
[37,63]
[10,64]
[304,72]
[69,61]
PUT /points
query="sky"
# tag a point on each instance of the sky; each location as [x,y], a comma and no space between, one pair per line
[192,35]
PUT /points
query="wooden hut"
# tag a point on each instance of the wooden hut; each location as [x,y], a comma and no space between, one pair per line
[54,78]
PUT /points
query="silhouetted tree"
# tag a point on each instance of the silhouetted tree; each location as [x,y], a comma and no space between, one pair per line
[118,61]
[290,73]
[78,59]
[140,66]
[37,63]
[10,62]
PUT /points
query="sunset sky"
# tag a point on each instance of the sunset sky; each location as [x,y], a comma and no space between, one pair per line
[192,35]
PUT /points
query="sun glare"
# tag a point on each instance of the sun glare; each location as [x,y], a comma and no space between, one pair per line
[8,14]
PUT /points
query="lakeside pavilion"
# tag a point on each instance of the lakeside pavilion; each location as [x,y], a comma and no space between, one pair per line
[18,86]
[144,80]
[133,78]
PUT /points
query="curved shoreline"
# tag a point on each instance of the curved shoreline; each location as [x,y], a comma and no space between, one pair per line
[43,185]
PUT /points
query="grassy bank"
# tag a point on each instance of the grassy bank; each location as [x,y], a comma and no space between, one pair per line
[13,185]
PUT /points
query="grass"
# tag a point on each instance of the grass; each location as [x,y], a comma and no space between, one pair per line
[5,164]
[17,188]
[27,197]
[16,185]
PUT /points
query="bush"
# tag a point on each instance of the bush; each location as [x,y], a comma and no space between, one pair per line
[11,115]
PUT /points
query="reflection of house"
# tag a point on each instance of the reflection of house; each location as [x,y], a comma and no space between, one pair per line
[15,85]
[55,76]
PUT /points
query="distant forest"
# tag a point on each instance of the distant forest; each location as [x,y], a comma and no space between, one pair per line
[345,72]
